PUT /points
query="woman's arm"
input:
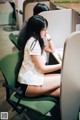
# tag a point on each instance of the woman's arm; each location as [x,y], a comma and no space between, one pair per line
[50,47]
[42,67]
[54,53]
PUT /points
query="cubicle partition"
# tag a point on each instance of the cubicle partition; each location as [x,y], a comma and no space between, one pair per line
[60,24]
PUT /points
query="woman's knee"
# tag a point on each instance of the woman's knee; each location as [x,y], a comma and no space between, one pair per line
[55,93]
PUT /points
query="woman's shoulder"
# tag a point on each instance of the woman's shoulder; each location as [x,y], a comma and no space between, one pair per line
[31,39]
[32,42]
[33,46]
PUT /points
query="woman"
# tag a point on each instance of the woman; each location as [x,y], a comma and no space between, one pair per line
[38,8]
[32,77]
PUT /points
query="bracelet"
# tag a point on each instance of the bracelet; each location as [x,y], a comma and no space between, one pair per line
[48,39]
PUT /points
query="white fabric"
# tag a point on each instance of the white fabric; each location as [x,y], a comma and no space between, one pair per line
[29,74]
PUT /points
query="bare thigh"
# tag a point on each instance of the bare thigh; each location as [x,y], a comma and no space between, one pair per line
[51,86]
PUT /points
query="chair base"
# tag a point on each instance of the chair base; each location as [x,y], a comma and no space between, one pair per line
[10,28]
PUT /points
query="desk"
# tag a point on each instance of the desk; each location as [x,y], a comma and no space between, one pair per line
[52,59]
[60,52]
[73,4]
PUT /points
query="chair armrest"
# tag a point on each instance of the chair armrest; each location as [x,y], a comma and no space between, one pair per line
[17,90]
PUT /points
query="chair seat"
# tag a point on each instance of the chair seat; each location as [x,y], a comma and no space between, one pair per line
[39,104]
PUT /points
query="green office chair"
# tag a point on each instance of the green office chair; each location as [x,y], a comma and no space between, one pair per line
[14,40]
[39,106]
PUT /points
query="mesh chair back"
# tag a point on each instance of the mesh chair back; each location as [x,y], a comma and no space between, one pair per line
[9,66]
[14,40]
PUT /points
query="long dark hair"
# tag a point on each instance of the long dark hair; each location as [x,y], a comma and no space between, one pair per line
[34,25]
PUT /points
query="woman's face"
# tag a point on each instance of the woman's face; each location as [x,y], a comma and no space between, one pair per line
[43,33]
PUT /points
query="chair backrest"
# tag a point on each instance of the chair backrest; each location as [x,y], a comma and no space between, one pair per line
[70,78]
[28,8]
[60,26]
[9,66]
[14,40]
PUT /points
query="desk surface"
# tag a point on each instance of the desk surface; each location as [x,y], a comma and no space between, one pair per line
[73,4]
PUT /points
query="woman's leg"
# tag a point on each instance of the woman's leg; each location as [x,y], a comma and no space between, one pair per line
[54,93]
[51,87]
